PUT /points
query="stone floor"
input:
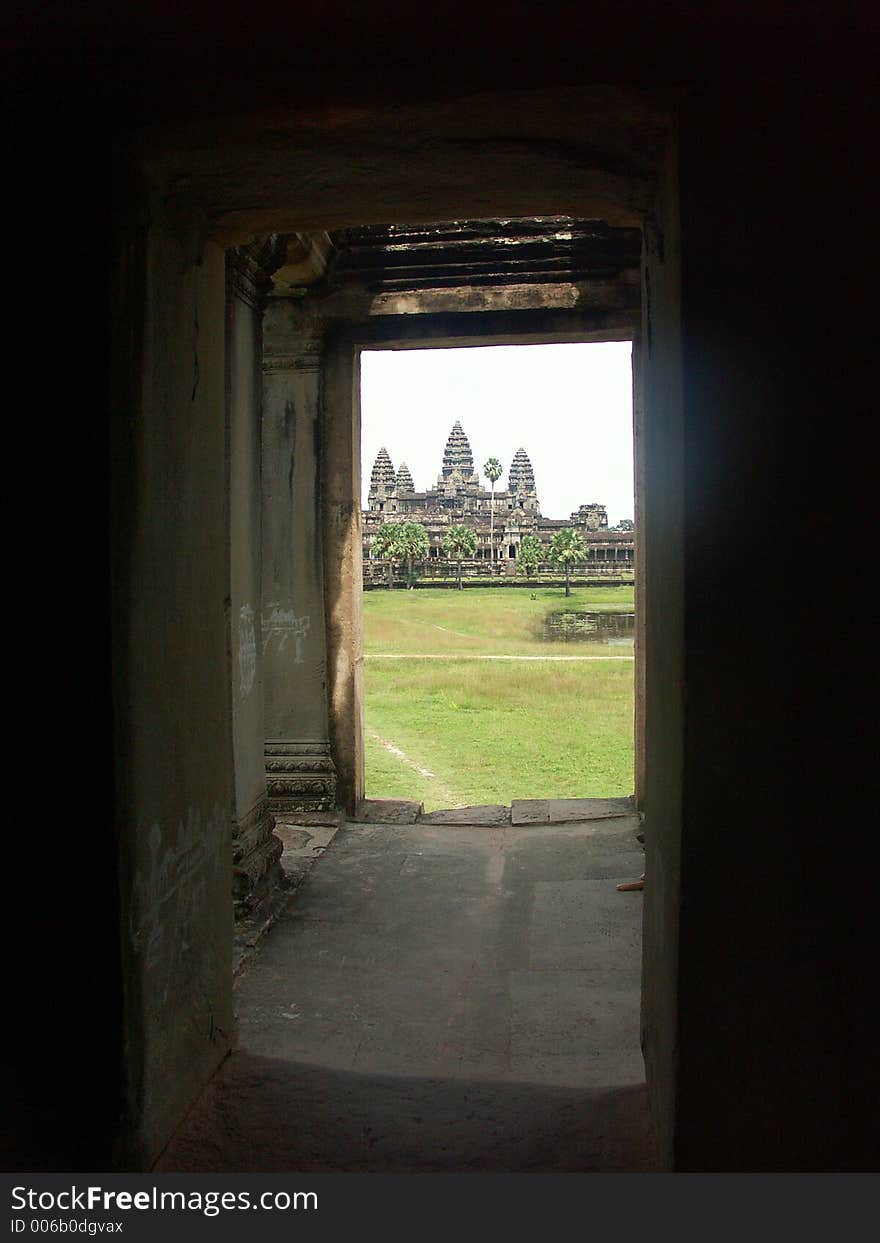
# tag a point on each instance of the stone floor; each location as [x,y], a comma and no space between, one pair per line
[440,998]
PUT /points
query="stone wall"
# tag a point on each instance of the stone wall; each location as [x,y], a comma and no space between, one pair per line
[255,848]
[174,763]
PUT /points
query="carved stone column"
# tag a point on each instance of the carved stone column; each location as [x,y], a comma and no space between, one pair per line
[300,775]
[255,848]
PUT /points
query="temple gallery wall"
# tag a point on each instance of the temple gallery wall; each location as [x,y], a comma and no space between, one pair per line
[235,552]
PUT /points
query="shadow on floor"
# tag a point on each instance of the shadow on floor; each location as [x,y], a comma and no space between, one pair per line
[264,1115]
[440,998]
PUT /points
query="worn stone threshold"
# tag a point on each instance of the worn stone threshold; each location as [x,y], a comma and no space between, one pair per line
[521,812]
[306,835]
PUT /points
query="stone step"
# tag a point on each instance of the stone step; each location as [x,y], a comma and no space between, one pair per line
[527,811]
[387,811]
[488,814]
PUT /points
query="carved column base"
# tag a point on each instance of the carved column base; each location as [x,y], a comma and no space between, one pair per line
[300,776]
[255,855]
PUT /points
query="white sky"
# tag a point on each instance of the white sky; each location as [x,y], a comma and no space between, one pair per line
[569,406]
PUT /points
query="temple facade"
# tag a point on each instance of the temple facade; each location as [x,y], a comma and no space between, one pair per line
[500,522]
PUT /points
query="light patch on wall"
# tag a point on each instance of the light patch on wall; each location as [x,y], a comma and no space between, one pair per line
[247,651]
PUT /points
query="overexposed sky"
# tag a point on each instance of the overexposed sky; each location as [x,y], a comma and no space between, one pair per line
[569,406]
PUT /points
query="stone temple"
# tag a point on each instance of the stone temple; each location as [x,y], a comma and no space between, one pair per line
[459,497]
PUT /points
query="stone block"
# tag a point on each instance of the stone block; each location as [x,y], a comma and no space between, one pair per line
[489,814]
[387,811]
[526,811]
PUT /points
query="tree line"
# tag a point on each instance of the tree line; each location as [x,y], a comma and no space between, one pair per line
[407,542]
[403,543]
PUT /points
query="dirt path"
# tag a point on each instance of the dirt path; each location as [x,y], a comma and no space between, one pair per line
[413,621]
[400,755]
[439,787]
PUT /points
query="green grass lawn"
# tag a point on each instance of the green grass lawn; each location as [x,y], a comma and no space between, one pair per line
[488,731]
[479,619]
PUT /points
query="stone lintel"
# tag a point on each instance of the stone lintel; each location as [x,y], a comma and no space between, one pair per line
[617,294]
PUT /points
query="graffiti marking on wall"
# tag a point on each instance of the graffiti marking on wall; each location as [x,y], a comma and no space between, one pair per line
[170,894]
[282,625]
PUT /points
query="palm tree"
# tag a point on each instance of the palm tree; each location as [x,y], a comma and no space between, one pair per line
[530,553]
[460,542]
[567,548]
[493,472]
[386,545]
[412,541]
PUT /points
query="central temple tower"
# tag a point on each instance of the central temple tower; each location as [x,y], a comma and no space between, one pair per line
[457,472]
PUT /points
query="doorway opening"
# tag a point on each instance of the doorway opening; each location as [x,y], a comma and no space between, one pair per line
[437,899]
[498,573]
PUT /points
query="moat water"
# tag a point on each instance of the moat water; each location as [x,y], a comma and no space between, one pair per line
[615,629]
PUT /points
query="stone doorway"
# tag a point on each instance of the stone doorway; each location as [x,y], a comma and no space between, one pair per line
[288,513]
[471,696]
[401,287]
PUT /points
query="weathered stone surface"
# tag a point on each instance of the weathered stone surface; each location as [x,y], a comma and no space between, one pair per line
[526,811]
[308,819]
[299,850]
[256,850]
[302,847]
[387,811]
[249,268]
[294,839]
[300,777]
[488,814]
[300,774]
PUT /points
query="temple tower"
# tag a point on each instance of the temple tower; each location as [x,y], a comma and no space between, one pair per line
[382,480]
[404,481]
[521,483]
[458,463]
